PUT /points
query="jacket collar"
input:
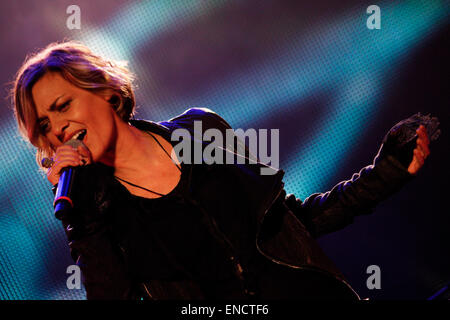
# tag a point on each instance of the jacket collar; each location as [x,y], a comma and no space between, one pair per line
[165,128]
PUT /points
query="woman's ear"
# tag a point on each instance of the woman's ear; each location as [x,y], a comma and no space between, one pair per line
[113,98]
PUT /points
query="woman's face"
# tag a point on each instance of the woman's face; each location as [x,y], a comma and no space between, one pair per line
[64,110]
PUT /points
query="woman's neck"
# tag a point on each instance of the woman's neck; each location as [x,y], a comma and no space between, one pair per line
[132,153]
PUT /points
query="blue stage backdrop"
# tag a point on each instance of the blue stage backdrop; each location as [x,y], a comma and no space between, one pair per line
[313,69]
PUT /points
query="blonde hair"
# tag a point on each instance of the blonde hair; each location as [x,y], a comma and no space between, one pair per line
[77,64]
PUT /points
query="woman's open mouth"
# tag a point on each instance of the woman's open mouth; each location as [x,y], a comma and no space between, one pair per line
[80,135]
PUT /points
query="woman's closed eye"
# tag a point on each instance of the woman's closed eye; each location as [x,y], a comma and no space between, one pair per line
[44,124]
[63,107]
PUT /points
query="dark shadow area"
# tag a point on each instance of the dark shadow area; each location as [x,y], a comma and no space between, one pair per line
[408,234]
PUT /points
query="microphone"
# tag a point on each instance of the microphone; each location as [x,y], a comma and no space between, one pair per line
[63,201]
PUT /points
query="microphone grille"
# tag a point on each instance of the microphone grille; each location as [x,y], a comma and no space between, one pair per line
[74,143]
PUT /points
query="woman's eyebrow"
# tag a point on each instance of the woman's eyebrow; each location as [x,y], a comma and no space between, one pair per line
[52,107]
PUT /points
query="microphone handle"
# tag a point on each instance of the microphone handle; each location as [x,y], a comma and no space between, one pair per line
[63,203]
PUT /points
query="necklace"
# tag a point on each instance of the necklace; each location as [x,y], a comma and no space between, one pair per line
[179,168]
[137,186]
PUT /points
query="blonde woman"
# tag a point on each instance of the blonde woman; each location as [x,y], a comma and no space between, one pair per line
[146,225]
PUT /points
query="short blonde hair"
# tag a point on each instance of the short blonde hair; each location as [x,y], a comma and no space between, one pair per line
[77,64]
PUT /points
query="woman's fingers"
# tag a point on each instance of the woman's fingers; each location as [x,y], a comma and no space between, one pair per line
[414,165]
[423,141]
[85,154]
[423,148]
[421,152]
[54,173]
[65,156]
[419,157]
[417,161]
[422,132]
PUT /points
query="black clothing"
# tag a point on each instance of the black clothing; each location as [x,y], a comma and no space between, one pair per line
[178,240]
[225,231]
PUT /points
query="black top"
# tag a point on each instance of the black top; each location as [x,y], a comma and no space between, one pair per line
[179,243]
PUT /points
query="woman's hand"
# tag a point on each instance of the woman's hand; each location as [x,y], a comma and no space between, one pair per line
[421,151]
[67,156]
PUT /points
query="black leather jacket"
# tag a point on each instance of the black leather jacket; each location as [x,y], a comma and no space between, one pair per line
[270,237]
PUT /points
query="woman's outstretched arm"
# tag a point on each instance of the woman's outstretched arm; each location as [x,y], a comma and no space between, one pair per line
[395,164]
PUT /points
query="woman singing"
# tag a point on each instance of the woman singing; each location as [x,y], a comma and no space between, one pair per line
[145,224]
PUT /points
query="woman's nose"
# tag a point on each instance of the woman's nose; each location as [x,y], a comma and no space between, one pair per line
[59,127]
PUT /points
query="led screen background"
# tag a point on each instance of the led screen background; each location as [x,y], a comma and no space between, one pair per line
[310,68]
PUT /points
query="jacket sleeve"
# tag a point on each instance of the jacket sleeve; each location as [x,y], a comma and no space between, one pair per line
[104,272]
[322,213]
[91,241]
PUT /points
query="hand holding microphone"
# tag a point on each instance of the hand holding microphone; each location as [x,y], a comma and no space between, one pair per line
[72,154]
[62,170]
